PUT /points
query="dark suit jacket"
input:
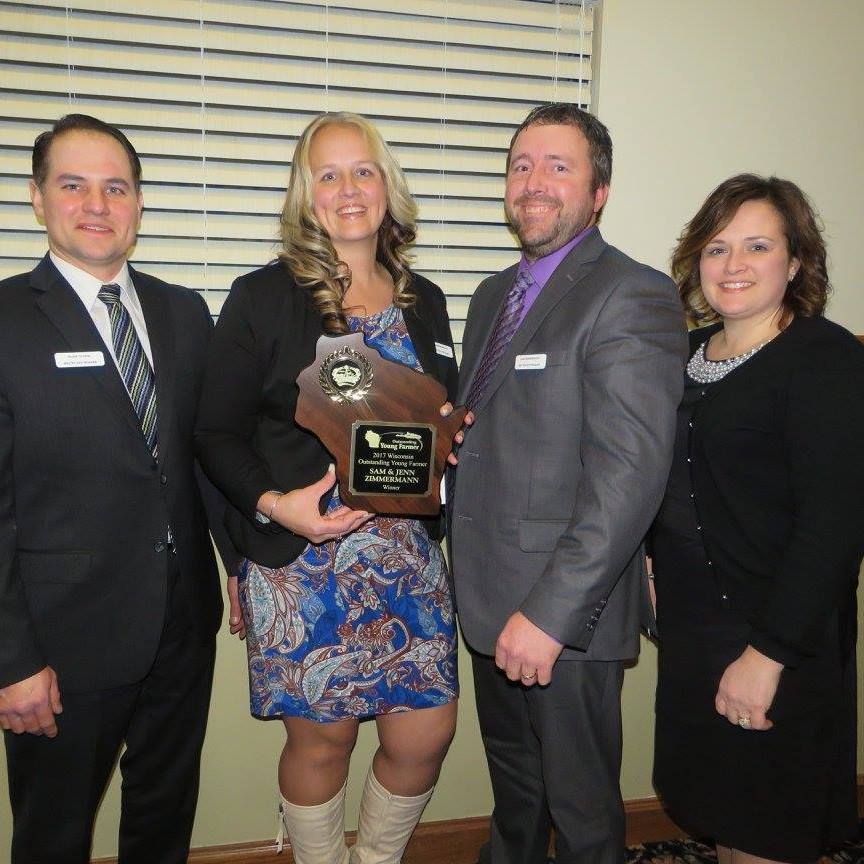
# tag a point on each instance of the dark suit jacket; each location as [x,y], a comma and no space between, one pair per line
[247,439]
[84,508]
[778,477]
[563,470]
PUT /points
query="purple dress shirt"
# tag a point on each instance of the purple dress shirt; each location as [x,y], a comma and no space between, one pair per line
[541,269]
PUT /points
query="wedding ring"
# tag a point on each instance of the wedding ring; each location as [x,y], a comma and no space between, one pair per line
[744,721]
[530,677]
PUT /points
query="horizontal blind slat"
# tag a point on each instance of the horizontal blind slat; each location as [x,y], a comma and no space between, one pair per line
[87,30]
[501,31]
[215,106]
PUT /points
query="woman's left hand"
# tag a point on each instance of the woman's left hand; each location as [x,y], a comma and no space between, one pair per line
[747,690]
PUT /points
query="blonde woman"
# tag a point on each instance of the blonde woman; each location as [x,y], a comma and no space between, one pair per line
[346,616]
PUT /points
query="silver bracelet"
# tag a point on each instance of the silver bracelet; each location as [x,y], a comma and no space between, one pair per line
[266,520]
[276,500]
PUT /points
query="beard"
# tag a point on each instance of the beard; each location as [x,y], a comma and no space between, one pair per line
[539,238]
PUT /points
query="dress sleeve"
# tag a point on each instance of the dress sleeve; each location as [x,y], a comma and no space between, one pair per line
[822,431]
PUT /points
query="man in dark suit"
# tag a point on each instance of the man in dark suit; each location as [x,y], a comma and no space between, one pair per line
[572,368]
[109,595]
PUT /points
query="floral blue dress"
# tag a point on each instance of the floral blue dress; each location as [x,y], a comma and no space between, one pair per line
[359,626]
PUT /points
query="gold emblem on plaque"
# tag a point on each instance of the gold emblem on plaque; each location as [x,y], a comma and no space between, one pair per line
[346,376]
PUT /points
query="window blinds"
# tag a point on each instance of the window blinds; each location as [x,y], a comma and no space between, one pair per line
[213,94]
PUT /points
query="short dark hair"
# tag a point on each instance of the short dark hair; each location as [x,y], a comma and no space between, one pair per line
[80,123]
[568,114]
[807,292]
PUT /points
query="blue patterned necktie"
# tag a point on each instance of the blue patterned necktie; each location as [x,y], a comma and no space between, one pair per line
[505,326]
[135,368]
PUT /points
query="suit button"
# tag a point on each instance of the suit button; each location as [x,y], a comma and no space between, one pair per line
[163,479]
[160,546]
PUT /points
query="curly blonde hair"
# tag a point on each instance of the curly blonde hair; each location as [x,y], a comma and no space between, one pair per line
[306,246]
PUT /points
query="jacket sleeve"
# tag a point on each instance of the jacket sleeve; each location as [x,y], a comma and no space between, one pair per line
[214,502]
[632,384]
[20,655]
[822,430]
[444,334]
[229,408]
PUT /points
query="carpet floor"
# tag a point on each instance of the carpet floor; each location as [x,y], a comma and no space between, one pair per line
[693,852]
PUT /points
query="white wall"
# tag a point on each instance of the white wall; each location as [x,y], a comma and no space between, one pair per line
[694,91]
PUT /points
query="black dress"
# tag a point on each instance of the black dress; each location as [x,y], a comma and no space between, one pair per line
[783,793]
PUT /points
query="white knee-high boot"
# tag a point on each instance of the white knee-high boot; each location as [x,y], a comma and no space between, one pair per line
[316,832]
[387,822]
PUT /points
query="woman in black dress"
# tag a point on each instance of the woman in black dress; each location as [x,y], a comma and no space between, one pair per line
[759,539]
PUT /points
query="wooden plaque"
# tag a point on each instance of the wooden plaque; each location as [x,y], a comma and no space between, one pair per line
[380,421]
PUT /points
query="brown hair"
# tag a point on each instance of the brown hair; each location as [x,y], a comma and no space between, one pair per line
[808,290]
[80,123]
[306,246]
[568,114]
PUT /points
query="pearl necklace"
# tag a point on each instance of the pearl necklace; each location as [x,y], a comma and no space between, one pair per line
[706,371]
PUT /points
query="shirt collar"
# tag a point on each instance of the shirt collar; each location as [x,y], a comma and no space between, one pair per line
[543,268]
[87,286]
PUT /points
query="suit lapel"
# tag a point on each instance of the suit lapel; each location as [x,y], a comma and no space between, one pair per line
[160,332]
[569,273]
[64,309]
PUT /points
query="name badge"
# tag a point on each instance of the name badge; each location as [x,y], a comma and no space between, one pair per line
[78,359]
[443,350]
[530,361]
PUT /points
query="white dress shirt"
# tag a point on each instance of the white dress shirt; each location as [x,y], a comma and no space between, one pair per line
[87,287]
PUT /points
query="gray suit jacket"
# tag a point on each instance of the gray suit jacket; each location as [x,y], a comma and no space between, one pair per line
[564,468]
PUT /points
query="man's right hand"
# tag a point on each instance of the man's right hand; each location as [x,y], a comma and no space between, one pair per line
[30,705]
[446,410]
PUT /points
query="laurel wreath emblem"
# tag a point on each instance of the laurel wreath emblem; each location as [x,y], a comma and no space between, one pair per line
[355,372]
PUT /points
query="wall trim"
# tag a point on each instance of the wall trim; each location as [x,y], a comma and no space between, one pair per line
[454,841]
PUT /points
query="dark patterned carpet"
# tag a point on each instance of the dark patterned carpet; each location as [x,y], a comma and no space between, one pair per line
[693,852]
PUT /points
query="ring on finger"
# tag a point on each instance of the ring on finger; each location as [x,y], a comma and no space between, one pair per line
[530,677]
[744,721]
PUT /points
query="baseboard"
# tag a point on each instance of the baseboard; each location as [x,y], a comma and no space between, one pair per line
[451,841]
[455,841]
[647,822]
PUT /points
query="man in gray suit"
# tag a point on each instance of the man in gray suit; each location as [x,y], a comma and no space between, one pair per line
[572,369]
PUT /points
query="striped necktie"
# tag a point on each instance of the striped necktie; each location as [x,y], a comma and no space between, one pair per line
[505,326]
[135,368]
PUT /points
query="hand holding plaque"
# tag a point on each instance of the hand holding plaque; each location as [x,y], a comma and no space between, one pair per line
[380,420]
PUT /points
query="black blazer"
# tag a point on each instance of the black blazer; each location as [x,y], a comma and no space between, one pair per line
[248,442]
[84,507]
[778,477]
